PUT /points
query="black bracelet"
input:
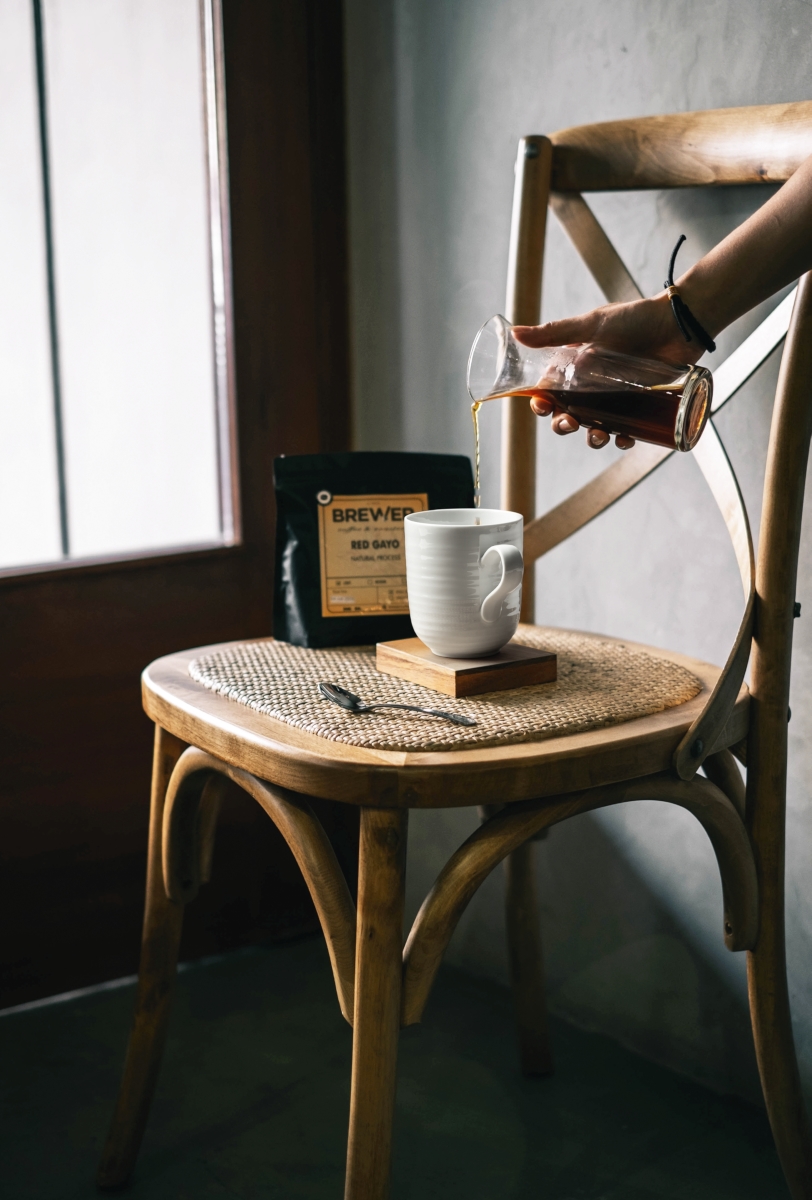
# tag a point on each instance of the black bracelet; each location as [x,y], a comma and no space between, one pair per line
[688,324]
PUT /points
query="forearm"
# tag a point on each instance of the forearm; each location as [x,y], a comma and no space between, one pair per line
[766,252]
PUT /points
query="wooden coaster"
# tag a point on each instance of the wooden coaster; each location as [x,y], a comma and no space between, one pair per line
[514,666]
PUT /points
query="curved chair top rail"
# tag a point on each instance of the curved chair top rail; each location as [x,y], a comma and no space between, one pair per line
[760,144]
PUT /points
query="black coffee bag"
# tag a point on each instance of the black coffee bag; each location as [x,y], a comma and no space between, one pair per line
[340,559]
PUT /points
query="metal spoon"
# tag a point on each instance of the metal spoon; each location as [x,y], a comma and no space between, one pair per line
[353,703]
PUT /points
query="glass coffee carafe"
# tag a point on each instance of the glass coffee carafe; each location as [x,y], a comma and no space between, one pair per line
[643,398]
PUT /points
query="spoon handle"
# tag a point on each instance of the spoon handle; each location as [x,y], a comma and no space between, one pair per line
[431,712]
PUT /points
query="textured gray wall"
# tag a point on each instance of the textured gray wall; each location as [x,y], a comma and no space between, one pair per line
[439,93]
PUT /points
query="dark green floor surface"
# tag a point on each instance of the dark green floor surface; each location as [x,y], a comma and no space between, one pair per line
[252,1101]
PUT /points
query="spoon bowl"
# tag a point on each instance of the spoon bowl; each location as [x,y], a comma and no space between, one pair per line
[352,703]
[340,696]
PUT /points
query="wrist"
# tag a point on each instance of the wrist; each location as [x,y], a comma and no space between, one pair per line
[708,308]
[669,333]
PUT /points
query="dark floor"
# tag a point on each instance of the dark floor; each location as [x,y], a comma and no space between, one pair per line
[252,1102]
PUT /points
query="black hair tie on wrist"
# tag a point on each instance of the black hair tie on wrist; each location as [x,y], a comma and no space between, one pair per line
[688,324]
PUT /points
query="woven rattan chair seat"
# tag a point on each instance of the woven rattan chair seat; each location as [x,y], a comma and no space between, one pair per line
[600,683]
[617,711]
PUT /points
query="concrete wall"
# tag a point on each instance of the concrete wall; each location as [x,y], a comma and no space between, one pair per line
[439,93]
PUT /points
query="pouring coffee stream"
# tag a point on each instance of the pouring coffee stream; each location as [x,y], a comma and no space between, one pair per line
[475,407]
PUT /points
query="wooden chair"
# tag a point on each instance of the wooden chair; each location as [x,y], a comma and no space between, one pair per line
[202,738]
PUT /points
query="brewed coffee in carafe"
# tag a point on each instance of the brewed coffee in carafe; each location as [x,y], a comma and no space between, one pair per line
[647,399]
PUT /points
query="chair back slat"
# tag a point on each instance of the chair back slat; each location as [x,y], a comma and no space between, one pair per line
[589,238]
[581,507]
[523,306]
[779,543]
[701,738]
[528,229]
[711,457]
[761,144]
[748,356]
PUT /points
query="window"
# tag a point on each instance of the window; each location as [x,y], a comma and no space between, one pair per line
[116,391]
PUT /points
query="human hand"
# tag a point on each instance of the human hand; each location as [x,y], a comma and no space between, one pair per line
[644,327]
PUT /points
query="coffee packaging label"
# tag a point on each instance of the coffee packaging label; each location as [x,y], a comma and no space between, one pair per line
[324,503]
[362,553]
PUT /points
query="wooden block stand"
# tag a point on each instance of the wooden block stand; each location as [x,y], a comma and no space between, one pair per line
[514,666]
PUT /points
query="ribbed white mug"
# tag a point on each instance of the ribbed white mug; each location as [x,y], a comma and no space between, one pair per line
[464,572]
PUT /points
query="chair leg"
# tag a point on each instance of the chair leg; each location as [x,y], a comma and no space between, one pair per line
[159,952]
[376,1025]
[527,963]
[775,1049]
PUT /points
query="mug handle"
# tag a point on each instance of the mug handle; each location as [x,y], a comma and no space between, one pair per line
[512,572]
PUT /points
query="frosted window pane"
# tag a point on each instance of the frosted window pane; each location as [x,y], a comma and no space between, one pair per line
[29,500]
[128,179]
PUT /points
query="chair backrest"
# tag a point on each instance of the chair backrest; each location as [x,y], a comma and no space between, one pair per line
[763,144]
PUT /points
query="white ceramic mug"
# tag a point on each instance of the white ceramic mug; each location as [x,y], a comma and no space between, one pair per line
[464,572]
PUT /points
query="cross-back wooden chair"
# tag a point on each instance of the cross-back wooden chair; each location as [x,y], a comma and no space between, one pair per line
[203,738]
